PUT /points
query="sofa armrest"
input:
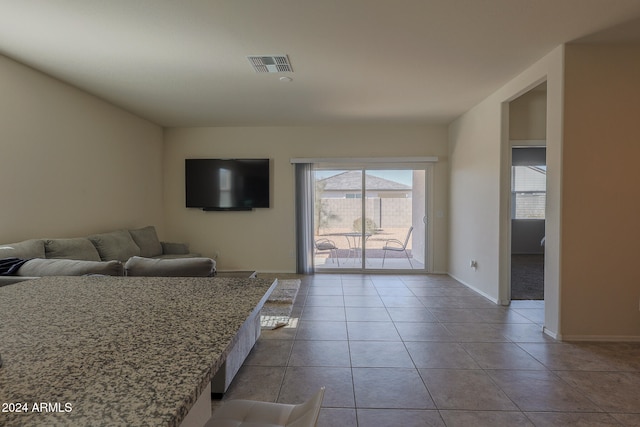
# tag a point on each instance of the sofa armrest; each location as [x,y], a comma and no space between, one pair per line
[169,248]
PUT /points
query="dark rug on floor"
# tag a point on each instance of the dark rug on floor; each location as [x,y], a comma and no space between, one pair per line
[527,277]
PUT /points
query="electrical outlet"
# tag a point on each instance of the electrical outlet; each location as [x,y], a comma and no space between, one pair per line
[216,255]
[473,264]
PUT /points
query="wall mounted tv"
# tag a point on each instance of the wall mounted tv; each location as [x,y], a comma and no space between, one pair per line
[227,184]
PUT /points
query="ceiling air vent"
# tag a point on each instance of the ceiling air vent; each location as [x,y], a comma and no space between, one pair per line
[271,63]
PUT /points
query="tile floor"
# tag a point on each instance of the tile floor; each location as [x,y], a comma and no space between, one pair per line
[427,351]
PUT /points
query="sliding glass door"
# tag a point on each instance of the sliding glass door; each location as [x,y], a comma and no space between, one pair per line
[370,219]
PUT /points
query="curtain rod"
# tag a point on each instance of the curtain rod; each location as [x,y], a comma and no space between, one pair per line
[431,159]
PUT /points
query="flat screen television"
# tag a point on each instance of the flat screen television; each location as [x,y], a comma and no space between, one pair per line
[227,184]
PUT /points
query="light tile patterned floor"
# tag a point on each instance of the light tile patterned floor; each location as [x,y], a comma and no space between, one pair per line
[427,351]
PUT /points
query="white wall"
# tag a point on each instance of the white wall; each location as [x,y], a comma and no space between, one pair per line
[264,239]
[70,163]
[480,188]
[528,115]
[474,229]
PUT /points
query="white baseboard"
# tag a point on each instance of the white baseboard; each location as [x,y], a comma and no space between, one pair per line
[490,298]
[556,336]
[602,338]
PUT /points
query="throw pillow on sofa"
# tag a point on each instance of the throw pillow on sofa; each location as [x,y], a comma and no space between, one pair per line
[78,248]
[147,240]
[67,267]
[117,245]
[164,267]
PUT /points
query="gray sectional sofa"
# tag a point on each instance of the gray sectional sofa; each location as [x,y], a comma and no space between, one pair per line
[136,252]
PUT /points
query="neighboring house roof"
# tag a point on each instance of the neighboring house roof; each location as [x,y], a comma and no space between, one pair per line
[352,181]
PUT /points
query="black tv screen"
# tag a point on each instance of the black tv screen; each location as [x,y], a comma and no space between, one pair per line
[227,184]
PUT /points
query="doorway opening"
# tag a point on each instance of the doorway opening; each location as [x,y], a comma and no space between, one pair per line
[527,198]
[528,205]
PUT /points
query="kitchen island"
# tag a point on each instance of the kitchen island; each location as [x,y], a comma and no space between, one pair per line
[130,351]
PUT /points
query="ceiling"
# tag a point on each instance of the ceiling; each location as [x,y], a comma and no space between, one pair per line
[184,63]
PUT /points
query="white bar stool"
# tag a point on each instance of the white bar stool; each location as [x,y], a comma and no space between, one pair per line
[251,413]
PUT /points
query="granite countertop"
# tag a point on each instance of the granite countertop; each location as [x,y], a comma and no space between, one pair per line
[112,351]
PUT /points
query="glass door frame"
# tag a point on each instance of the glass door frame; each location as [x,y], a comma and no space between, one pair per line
[427,167]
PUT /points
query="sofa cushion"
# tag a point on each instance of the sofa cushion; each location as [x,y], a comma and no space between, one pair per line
[162,267]
[69,267]
[147,240]
[26,250]
[78,248]
[117,245]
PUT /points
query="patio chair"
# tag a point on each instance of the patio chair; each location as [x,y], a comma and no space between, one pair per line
[238,413]
[326,245]
[396,245]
